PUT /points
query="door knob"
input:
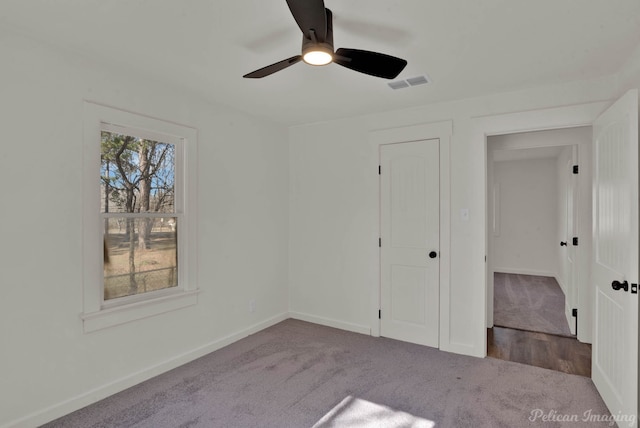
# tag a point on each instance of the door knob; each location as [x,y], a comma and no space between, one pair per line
[433,255]
[617,285]
[563,243]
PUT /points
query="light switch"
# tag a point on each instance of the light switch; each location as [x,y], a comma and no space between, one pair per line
[464,214]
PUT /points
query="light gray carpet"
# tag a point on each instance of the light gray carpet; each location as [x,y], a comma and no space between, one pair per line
[528,302]
[297,374]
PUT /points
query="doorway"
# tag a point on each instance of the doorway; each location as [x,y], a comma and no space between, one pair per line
[538,219]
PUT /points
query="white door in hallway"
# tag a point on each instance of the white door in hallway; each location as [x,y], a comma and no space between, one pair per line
[615,256]
[410,222]
[572,186]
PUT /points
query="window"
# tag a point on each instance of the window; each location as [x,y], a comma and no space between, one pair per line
[137,193]
[139,217]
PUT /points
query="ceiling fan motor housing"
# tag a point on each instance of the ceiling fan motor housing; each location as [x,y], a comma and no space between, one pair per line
[310,43]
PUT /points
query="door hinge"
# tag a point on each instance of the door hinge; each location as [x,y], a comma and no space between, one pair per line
[575,241]
[380,242]
[379,314]
[576,169]
[574,312]
[379,169]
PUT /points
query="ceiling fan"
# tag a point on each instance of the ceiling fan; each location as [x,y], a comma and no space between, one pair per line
[316,23]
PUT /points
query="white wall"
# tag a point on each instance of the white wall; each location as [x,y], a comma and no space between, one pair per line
[334,211]
[629,75]
[528,217]
[48,366]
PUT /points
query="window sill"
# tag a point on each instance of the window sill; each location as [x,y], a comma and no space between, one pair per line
[134,311]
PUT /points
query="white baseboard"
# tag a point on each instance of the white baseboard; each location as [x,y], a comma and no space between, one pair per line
[463,349]
[331,323]
[562,285]
[518,271]
[96,394]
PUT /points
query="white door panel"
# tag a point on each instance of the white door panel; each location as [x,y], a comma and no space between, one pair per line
[572,186]
[410,232]
[408,294]
[615,255]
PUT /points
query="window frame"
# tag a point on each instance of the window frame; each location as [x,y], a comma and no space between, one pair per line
[98,313]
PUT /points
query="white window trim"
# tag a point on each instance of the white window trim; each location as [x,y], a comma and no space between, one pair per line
[98,314]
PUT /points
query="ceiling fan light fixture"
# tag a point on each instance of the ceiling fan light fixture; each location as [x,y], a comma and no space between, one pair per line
[317,54]
[316,23]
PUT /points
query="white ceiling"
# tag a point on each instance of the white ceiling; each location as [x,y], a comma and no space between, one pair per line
[467,47]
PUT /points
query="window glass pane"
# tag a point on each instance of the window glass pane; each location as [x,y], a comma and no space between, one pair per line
[137,175]
[140,255]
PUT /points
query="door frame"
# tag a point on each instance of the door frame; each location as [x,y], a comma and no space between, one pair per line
[443,132]
[511,123]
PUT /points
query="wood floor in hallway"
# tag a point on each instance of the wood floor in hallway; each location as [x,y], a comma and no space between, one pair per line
[564,354]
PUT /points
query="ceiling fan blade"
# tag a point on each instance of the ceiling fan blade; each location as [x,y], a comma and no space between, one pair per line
[270,69]
[310,15]
[372,63]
